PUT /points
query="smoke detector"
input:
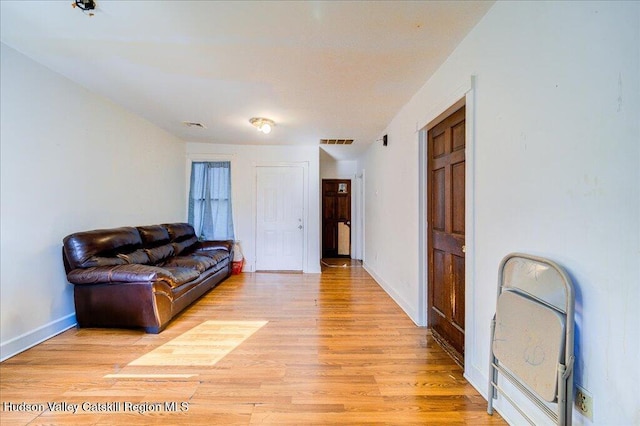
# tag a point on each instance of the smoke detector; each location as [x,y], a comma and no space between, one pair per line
[194,124]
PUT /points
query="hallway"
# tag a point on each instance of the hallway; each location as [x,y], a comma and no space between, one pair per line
[329,348]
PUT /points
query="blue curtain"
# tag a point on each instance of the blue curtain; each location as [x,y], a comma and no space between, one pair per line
[210,200]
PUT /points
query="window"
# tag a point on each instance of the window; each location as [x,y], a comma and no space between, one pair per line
[210,200]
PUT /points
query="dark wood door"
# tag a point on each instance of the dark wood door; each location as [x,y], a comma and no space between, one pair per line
[445,186]
[336,217]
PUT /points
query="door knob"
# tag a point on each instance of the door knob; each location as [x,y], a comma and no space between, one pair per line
[299,226]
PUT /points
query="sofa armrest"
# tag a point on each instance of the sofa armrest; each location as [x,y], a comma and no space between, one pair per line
[120,273]
[216,245]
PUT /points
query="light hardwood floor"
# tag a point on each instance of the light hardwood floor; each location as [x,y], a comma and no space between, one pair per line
[326,349]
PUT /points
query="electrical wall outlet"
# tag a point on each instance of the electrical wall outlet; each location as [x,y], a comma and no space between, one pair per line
[584,402]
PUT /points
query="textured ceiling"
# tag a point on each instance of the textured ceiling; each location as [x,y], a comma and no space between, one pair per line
[331,70]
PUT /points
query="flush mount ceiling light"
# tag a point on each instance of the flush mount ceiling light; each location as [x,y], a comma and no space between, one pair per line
[263,125]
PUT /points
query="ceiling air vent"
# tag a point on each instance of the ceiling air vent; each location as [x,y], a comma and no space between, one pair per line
[194,124]
[336,141]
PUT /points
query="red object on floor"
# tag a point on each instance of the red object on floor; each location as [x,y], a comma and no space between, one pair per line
[236,267]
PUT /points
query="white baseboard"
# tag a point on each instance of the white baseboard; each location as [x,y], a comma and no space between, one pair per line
[408,309]
[30,339]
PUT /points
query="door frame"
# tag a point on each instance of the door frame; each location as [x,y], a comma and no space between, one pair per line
[463,95]
[305,206]
[357,219]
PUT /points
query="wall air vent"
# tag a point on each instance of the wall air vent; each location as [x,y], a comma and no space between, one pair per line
[336,141]
[194,124]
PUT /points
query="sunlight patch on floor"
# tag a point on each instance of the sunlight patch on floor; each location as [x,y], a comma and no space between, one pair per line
[205,344]
[148,376]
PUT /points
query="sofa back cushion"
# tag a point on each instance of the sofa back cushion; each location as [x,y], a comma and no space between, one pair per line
[101,247]
[156,242]
[139,256]
[153,236]
[183,237]
[160,253]
[185,246]
[179,231]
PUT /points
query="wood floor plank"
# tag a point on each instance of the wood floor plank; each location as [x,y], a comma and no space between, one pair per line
[333,349]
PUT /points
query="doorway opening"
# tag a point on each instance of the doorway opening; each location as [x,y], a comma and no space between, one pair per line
[336,218]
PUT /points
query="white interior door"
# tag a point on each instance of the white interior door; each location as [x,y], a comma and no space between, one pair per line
[280,218]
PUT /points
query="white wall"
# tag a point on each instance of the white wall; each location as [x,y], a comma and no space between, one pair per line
[70,161]
[556,159]
[330,168]
[244,159]
[391,214]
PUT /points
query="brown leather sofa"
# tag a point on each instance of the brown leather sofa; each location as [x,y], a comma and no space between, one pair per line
[141,276]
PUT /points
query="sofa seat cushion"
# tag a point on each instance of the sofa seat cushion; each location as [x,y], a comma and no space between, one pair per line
[182,275]
[195,262]
[224,263]
[132,273]
[216,255]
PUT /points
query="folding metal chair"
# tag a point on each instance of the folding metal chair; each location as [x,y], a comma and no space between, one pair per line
[532,336]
